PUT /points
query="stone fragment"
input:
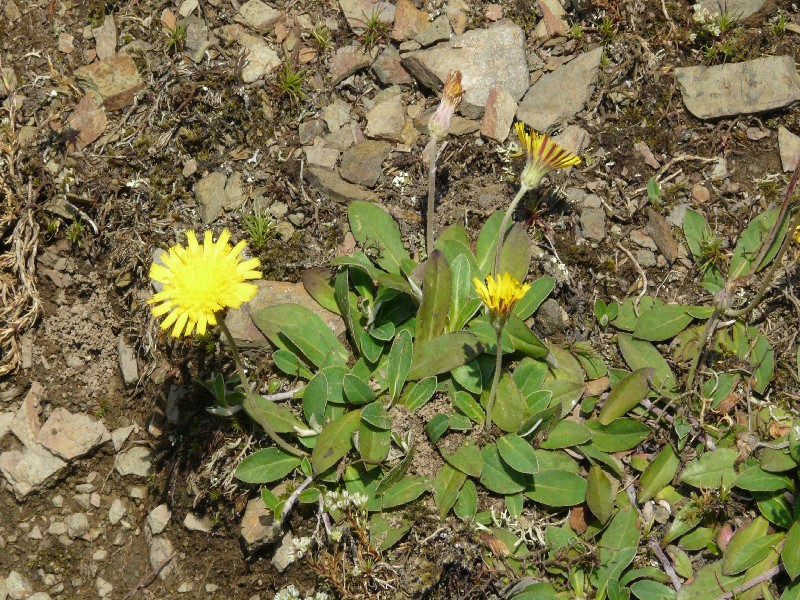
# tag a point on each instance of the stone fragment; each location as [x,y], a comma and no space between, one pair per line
[105,38]
[358,12]
[271,293]
[789,148]
[71,435]
[77,525]
[485,57]
[198,39]
[700,193]
[649,158]
[284,553]
[560,95]
[261,58]
[17,586]
[116,511]
[11,11]
[258,15]
[553,19]
[160,552]
[120,435]
[310,131]
[188,7]
[493,12]
[320,156]
[336,114]
[756,133]
[127,362]
[103,588]
[26,424]
[27,471]
[210,195]
[593,224]
[193,523]
[388,69]
[551,318]
[115,79]
[646,258]
[185,587]
[749,87]
[346,61]
[408,21]
[363,162]
[661,233]
[8,81]
[332,185]
[258,527]
[211,588]
[6,418]
[157,519]
[640,238]
[386,119]
[738,10]
[434,32]
[499,116]
[575,139]
[65,42]
[134,461]
[88,122]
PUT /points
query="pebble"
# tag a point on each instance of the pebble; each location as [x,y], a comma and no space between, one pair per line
[700,193]
[103,587]
[284,553]
[789,147]
[185,587]
[551,318]
[258,528]
[29,470]
[88,120]
[346,61]
[105,38]
[116,511]
[408,21]
[499,116]
[120,435]
[434,32]
[363,162]
[258,15]
[71,435]
[100,555]
[77,525]
[160,550]
[158,519]
[117,80]
[127,362]
[593,224]
[211,588]
[134,461]
[386,119]
[193,523]
[18,586]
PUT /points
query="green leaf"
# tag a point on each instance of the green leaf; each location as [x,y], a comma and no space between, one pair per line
[518,454]
[496,476]
[712,470]
[443,354]
[358,260]
[658,474]
[515,257]
[652,590]
[622,434]
[464,402]
[487,243]
[524,340]
[566,433]
[461,288]
[599,496]
[356,390]
[437,426]
[699,539]
[466,505]
[762,362]
[466,459]
[754,551]
[755,531]
[709,582]
[280,419]
[755,479]
[436,290]
[420,393]
[791,551]
[264,466]
[370,348]
[287,361]
[396,473]
[794,441]
[510,408]
[792,591]
[385,532]
[565,392]
[373,227]
[696,230]
[529,376]
[749,245]
[315,398]
[399,364]
[375,414]
[662,323]
[303,329]
[334,441]
[622,532]
[348,307]
[557,488]
[317,282]
[470,376]
[640,354]
[404,491]
[373,442]
[446,486]
[626,395]
[539,291]
[775,508]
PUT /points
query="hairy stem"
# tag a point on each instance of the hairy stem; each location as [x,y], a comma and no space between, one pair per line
[504,225]
[498,363]
[249,404]
[432,148]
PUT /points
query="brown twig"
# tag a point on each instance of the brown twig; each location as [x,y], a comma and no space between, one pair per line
[150,577]
[766,575]
[665,562]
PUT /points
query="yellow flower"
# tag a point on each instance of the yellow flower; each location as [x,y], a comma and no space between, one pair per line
[500,294]
[199,281]
[543,155]
[797,234]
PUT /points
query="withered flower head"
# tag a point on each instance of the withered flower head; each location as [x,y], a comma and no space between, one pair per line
[439,124]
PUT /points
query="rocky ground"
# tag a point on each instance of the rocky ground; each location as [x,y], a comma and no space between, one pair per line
[126,122]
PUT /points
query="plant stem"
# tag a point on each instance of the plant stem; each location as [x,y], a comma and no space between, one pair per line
[504,225]
[432,151]
[249,404]
[498,363]
[701,343]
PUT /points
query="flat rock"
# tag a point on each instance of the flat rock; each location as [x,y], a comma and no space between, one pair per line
[574,139]
[18,586]
[485,57]
[212,195]
[320,156]
[77,525]
[26,425]
[115,79]
[6,418]
[500,110]
[284,553]
[261,58]
[553,21]
[116,511]
[358,12]
[105,38]
[789,147]
[271,293]
[593,224]
[388,69]
[158,519]
[386,119]
[11,11]
[258,15]
[332,185]
[347,61]
[749,87]
[560,95]
[29,470]
[134,461]
[434,32]
[88,121]
[198,39]
[408,21]
[258,527]
[336,114]
[363,162]
[160,551]
[739,10]
[71,435]
[127,362]
[661,233]
[194,523]
[120,435]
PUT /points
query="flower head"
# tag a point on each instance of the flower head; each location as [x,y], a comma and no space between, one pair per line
[439,124]
[199,281]
[500,294]
[796,234]
[543,155]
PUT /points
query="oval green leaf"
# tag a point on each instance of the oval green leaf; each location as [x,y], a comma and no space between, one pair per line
[627,394]
[518,454]
[267,465]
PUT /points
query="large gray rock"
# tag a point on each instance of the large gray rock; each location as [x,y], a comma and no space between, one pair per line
[750,87]
[738,10]
[30,469]
[69,435]
[329,183]
[485,57]
[363,162]
[560,95]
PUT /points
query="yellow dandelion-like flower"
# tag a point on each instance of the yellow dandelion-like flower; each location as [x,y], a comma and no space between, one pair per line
[500,294]
[200,281]
[796,234]
[543,155]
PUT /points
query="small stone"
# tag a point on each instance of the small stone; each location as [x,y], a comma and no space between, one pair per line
[127,362]
[71,436]
[100,555]
[6,418]
[120,435]
[386,119]
[198,39]
[18,586]
[211,588]
[320,156]
[336,114]
[756,133]
[261,58]
[310,130]
[553,21]
[193,523]
[65,42]
[158,519]
[103,587]
[26,424]
[29,470]
[235,194]
[493,12]
[82,500]
[35,533]
[105,38]
[57,528]
[408,21]
[210,195]
[259,16]
[347,61]
[551,318]
[720,170]
[665,241]
[593,224]
[77,525]
[284,553]
[646,258]
[116,511]
[574,139]
[40,596]
[285,230]
[500,110]
[116,80]
[188,7]
[134,461]
[436,31]
[332,185]
[789,147]
[640,238]
[258,528]
[363,162]
[649,158]
[160,551]
[11,11]
[58,501]
[388,68]
[297,219]
[700,193]
[185,587]
[189,168]
[357,12]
